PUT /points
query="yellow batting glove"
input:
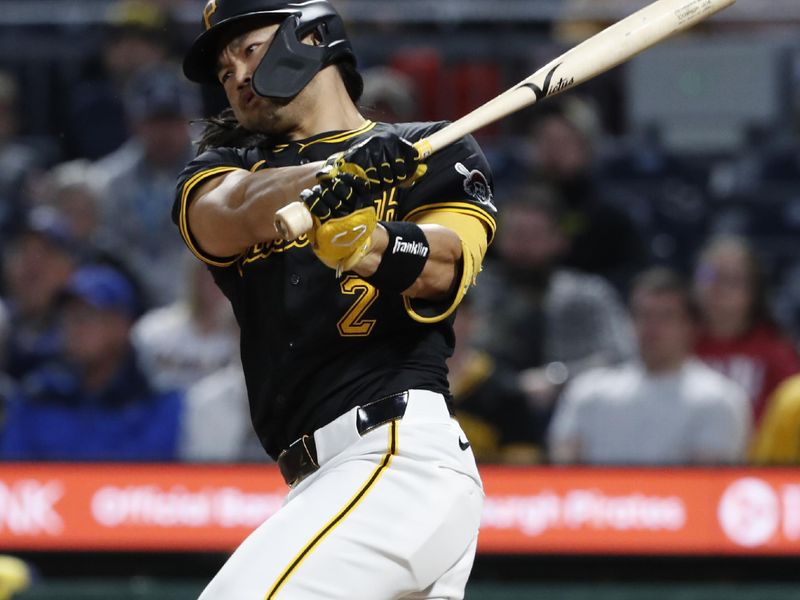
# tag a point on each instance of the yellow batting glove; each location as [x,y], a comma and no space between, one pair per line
[340,243]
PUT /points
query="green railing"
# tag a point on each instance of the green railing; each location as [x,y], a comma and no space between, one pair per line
[146,589]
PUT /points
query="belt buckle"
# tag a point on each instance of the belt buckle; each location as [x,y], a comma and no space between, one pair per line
[304,466]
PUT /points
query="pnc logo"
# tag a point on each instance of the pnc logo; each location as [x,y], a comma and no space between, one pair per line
[749,512]
[208,12]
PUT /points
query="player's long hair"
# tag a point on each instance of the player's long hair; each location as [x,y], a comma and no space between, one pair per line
[225,131]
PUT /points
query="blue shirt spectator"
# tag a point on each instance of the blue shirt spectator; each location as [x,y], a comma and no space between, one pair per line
[94,403]
[37,265]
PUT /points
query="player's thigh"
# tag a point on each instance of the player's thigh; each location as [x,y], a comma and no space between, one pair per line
[452,584]
[277,552]
[369,526]
[306,548]
[406,531]
[404,535]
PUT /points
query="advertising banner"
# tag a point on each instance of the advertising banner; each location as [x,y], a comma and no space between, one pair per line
[527,510]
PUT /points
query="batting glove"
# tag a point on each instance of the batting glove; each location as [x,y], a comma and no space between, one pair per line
[342,231]
[336,197]
[383,161]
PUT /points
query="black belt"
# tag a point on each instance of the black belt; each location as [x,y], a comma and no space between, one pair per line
[299,460]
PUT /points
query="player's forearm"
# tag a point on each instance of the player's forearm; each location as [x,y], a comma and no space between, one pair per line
[237,211]
[259,196]
[438,276]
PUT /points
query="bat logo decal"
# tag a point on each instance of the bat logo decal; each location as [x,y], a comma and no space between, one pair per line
[477,186]
[545,91]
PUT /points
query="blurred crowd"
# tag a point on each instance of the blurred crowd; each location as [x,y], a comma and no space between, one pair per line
[603,330]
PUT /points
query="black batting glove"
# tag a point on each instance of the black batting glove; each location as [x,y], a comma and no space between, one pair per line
[337,197]
[383,161]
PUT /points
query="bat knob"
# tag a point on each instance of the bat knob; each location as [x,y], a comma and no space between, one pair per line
[293,220]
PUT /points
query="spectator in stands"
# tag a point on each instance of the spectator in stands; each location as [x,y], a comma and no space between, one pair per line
[778,439]
[389,95]
[490,405]
[67,188]
[136,40]
[666,407]
[18,162]
[216,426]
[137,181]
[39,261]
[6,383]
[181,343]
[604,240]
[538,318]
[94,403]
[738,336]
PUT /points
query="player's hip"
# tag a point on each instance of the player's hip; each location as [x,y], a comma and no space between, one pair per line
[415,434]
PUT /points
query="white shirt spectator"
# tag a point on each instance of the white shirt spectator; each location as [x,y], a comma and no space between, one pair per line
[175,353]
[216,423]
[626,415]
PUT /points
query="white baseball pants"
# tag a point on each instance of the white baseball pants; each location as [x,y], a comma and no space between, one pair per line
[390,515]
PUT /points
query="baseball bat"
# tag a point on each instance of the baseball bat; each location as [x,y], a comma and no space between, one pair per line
[612,46]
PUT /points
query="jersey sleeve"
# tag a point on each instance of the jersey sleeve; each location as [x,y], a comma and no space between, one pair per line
[457,184]
[458,179]
[209,164]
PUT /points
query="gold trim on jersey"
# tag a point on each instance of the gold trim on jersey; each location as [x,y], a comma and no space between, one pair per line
[183,220]
[255,167]
[464,283]
[386,205]
[340,516]
[474,242]
[339,137]
[264,251]
[459,207]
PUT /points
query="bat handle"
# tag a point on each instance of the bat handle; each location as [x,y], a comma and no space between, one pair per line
[293,220]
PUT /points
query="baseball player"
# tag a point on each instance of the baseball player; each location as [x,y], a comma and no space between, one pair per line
[345,331]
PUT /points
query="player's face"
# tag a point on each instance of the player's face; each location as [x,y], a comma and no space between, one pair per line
[664,329]
[237,63]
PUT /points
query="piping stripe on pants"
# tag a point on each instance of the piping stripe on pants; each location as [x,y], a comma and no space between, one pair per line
[340,516]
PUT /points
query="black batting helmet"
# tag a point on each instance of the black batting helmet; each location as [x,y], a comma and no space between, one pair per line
[289,65]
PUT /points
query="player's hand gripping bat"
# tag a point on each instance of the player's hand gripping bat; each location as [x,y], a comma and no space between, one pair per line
[603,51]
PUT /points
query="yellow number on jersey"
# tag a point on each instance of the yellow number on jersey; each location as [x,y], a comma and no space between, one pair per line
[353,324]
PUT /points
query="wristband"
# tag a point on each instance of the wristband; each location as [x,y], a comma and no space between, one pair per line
[404,258]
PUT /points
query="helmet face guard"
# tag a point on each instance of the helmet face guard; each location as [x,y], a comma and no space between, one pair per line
[289,64]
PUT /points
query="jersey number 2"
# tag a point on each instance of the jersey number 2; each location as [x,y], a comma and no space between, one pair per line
[353,323]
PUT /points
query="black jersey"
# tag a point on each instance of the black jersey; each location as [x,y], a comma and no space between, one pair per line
[314,346]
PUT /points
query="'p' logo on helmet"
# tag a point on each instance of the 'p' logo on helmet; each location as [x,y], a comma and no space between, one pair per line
[208,11]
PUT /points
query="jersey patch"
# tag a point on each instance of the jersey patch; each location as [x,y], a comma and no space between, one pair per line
[476,185]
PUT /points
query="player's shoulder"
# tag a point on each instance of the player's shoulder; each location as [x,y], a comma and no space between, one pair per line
[218,160]
[414,130]
[417,130]
[228,156]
